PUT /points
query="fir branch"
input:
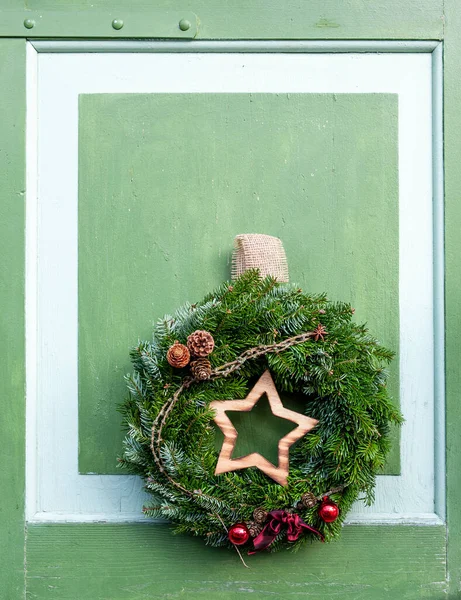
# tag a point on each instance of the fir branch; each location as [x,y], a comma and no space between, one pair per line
[340,377]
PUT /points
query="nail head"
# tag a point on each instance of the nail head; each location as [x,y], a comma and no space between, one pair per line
[184,25]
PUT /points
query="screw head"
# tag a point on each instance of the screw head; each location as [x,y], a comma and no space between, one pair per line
[117,24]
[29,23]
[184,25]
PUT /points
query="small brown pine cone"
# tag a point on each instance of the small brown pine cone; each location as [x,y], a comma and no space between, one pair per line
[201,369]
[260,515]
[254,528]
[178,355]
[308,500]
[200,343]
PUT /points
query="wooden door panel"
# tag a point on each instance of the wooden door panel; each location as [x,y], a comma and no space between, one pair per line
[150,164]
[167,180]
[117,561]
[139,562]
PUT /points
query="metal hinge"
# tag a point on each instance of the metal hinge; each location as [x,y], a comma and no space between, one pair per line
[116,23]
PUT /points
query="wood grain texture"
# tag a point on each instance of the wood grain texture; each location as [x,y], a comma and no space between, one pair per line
[452,135]
[264,385]
[272,19]
[140,562]
[12,356]
[98,562]
[160,196]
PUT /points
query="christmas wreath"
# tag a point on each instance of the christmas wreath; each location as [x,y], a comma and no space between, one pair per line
[252,337]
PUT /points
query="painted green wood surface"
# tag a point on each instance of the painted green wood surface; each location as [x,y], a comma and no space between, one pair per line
[272,19]
[80,560]
[140,562]
[12,368]
[452,133]
[167,181]
[147,23]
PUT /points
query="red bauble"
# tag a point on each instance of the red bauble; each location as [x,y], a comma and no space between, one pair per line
[328,510]
[238,534]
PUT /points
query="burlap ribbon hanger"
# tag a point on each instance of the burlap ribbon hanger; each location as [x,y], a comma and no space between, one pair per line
[259,251]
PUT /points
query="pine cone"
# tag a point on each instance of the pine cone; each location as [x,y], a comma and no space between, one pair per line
[201,369]
[308,500]
[260,515]
[178,355]
[200,343]
[254,528]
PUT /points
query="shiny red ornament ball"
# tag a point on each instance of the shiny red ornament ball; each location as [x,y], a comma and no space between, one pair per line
[238,534]
[328,511]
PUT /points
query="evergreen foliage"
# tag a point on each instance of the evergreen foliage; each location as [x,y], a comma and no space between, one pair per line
[340,380]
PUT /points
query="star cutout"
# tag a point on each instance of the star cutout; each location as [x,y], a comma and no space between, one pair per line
[264,385]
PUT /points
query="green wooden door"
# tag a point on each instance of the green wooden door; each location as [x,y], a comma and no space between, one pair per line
[141,167]
[185,181]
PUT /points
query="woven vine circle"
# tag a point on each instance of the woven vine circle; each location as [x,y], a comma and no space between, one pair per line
[330,367]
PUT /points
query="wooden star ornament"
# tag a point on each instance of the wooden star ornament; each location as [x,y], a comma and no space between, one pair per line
[264,385]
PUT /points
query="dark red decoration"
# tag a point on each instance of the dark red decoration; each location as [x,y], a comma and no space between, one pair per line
[238,534]
[328,511]
[278,519]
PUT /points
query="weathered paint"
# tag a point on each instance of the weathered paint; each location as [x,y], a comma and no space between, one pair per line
[264,19]
[452,133]
[137,562]
[147,23]
[92,558]
[164,187]
[12,357]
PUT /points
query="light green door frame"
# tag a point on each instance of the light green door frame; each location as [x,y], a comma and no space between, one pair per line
[12,347]
[137,561]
